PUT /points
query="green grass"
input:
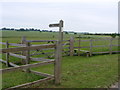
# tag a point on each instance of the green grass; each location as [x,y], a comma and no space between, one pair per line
[16,78]
[81,72]
[77,72]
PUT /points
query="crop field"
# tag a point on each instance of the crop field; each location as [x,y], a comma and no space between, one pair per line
[99,71]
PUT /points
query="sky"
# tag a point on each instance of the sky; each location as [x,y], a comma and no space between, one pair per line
[94,16]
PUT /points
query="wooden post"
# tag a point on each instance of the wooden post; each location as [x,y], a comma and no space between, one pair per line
[7,55]
[91,44]
[58,52]
[27,56]
[71,46]
[79,47]
[110,46]
[57,65]
[23,41]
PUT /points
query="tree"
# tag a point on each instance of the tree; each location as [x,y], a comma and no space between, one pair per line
[22,29]
[66,33]
[75,33]
[113,35]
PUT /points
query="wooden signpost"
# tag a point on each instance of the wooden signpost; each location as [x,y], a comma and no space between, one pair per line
[58,53]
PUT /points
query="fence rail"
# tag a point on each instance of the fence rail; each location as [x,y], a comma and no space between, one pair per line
[26,57]
[91,45]
[25,66]
[6,50]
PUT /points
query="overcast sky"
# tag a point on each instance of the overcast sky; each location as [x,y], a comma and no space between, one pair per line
[78,15]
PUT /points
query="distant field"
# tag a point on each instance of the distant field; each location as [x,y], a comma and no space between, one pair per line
[15,37]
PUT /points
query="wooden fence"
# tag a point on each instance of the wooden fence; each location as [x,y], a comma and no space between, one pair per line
[25,48]
[68,47]
[91,45]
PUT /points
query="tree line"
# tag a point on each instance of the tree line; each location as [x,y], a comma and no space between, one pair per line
[66,32]
[23,29]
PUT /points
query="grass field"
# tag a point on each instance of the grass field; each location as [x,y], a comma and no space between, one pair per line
[16,36]
[77,71]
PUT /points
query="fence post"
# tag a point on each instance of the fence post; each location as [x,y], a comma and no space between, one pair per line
[27,56]
[110,46]
[58,54]
[79,47]
[71,46]
[7,55]
[91,44]
[57,65]
[23,41]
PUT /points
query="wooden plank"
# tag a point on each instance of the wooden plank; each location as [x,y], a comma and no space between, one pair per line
[41,59]
[23,41]
[99,39]
[114,45]
[11,64]
[25,66]
[54,25]
[66,44]
[96,46]
[116,51]
[57,65]
[91,44]
[79,46]
[42,53]
[27,56]
[83,47]
[18,56]
[3,43]
[110,46]
[100,52]
[31,83]
[82,40]
[26,48]
[71,46]
[82,50]
[100,46]
[41,74]
[42,49]
[41,40]
[14,44]
[7,55]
